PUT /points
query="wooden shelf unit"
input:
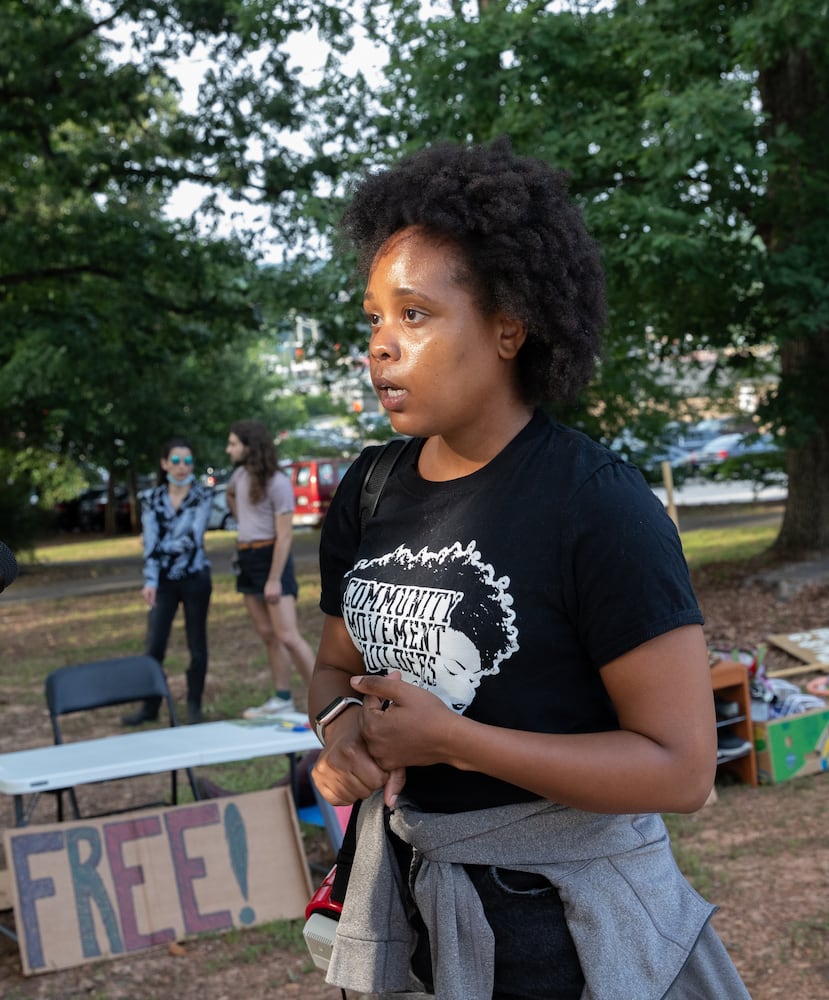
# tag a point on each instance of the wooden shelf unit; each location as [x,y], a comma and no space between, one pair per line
[729,680]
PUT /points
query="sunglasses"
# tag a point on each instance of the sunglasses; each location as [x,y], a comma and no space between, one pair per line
[177,460]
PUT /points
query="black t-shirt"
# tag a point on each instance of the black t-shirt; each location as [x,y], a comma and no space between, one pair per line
[504,592]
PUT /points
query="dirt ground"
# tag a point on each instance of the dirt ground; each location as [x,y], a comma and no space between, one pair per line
[761,854]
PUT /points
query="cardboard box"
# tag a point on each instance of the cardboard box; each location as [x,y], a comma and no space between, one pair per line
[793,746]
[809,646]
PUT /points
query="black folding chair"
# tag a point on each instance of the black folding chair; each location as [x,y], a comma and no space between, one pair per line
[82,687]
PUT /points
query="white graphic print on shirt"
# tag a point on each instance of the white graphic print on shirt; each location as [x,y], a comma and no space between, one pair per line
[441,618]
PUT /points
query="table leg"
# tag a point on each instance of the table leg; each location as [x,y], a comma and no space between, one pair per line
[23,814]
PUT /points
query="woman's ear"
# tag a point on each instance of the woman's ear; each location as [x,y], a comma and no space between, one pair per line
[511,337]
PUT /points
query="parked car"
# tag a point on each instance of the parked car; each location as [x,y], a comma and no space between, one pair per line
[692,437]
[681,461]
[220,515]
[314,481]
[326,436]
[726,446]
[374,427]
[649,458]
[87,511]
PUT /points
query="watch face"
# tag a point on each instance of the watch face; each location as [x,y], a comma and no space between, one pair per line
[328,708]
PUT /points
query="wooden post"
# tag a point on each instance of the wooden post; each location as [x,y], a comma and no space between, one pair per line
[668,480]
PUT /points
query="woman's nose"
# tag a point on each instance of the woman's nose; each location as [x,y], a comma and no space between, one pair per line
[383,345]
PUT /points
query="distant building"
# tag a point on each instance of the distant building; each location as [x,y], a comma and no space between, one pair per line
[295,359]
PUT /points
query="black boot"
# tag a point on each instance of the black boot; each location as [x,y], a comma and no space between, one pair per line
[147,713]
[194,713]
[195,693]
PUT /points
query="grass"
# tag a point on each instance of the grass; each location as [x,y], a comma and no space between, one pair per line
[96,548]
[708,545]
[701,545]
[72,629]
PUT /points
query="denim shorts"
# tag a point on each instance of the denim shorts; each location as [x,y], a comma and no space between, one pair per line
[254,565]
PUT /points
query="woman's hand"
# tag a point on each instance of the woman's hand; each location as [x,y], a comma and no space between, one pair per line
[402,724]
[345,770]
[148,593]
[273,591]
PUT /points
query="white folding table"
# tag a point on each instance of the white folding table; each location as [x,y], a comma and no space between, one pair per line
[149,751]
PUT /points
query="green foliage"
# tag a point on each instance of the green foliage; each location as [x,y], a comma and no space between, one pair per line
[697,139]
[695,135]
[654,142]
[121,327]
[761,469]
[20,518]
[652,471]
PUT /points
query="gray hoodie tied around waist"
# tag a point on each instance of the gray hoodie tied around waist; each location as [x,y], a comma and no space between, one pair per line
[632,915]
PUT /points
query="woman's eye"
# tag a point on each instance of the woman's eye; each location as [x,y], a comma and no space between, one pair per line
[373,319]
[412,315]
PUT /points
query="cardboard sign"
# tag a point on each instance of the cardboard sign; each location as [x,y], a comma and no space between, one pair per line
[111,886]
[811,646]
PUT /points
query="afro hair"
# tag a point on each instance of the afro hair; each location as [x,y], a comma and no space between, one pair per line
[522,238]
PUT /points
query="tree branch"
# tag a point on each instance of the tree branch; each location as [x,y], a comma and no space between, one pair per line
[46,273]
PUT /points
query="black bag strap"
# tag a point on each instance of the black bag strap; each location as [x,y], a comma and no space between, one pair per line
[376,478]
[345,857]
[373,485]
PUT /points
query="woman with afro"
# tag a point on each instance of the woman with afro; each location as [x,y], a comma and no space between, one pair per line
[512,679]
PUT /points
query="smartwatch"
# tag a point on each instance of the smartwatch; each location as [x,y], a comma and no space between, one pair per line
[330,712]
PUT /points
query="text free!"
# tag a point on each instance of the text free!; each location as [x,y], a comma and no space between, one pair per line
[129,884]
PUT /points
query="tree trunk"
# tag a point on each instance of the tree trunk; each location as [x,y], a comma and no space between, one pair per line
[795,90]
[135,512]
[805,527]
[110,508]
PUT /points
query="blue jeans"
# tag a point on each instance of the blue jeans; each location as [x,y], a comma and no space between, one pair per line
[535,958]
[193,594]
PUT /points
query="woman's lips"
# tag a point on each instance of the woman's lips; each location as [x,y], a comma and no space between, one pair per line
[391,396]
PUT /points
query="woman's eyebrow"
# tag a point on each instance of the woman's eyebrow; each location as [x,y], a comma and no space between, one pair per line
[400,293]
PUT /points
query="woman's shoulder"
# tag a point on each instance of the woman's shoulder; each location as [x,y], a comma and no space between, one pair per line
[347,497]
[560,450]
[570,467]
[153,497]
[370,459]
